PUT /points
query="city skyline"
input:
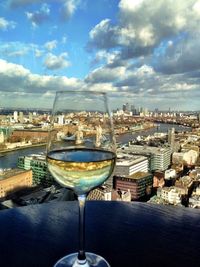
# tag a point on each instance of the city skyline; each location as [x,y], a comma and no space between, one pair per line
[140,52]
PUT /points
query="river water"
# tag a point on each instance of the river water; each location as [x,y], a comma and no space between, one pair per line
[163,128]
[9,160]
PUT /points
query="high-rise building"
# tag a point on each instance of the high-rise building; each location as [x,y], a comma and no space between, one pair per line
[21,117]
[159,157]
[126,107]
[30,115]
[38,165]
[61,119]
[171,137]
[15,116]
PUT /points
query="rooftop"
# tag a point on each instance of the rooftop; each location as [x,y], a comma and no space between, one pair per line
[137,175]
[128,160]
[35,156]
[6,173]
[147,149]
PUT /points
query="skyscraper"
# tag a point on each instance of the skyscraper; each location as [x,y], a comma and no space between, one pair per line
[15,115]
[21,117]
[171,137]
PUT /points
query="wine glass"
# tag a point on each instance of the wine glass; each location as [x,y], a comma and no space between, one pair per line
[81,155]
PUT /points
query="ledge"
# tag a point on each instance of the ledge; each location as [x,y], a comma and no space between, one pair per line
[126,234]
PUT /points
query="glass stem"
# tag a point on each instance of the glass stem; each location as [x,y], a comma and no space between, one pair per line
[81,252]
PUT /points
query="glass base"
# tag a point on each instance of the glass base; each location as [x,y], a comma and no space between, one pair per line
[93,260]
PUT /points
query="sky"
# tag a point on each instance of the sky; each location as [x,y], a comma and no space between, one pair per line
[143,52]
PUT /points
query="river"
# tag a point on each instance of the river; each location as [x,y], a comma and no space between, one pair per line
[9,160]
[163,128]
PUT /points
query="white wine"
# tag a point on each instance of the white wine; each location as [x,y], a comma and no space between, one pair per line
[81,169]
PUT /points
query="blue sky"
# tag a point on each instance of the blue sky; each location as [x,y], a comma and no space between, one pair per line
[144,52]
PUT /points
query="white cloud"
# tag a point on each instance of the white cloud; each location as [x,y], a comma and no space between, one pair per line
[144,24]
[38,53]
[180,58]
[17,49]
[103,35]
[15,78]
[105,75]
[54,62]
[5,24]
[50,45]
[68,9]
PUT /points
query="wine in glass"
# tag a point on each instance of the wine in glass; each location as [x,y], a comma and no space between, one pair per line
[81,155]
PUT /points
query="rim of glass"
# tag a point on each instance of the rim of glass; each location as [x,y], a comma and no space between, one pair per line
[81,91]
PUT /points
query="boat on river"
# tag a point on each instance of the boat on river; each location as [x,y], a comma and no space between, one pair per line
[68,137]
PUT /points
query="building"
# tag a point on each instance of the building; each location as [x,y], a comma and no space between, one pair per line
[13,180]
[127,164]
[30,117]
[159,157]
[188,158]
[171,173]
[171,195]
[61,119]
[170,177]
[139,184]
[15,116]
[36,163]
[21,117]
[171,137]
[185,184]
[158,179]
[107,193]
[35,135]
[194,200]
[126,107]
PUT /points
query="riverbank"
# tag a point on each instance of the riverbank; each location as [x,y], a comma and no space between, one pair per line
[21,148]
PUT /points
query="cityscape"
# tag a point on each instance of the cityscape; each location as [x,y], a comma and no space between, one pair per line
[157,157]
[141,56]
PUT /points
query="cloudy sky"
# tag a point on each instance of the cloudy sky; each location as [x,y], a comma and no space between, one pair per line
[144,52]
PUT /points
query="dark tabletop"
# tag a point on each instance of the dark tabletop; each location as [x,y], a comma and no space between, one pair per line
[126,234]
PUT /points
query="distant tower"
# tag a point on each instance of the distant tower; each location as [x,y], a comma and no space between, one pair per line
[21,117]
[30,115]
[134,110]
[126,107]
[79,136]
[171,137]
[199,117]
[61,119]
[15,115]
[98,136]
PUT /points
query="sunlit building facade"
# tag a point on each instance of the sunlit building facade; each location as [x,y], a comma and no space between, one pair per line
[13,180]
